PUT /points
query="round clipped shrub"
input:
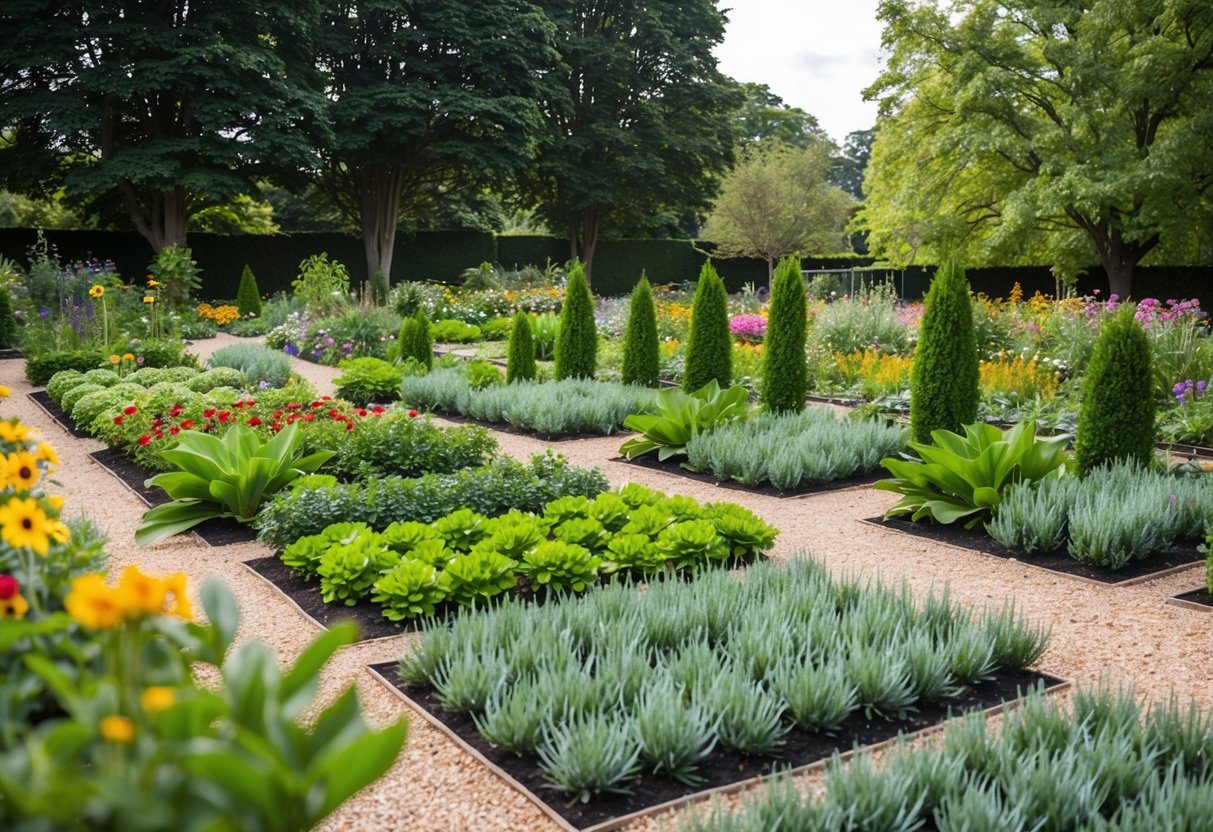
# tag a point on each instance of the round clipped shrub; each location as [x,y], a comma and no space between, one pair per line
[784,368]
[640,358]
[248,296]
[944,378]
[520,366]
[710,346]
[415,341]
[577,343]
[1116,418]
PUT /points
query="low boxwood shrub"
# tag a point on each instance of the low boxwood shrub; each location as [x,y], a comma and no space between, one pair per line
[397,444]
[551,408]
[40,368]
[790,450]
[218,377]
[61,382]
[493,489]
[452,331]
[366,380]
[685,665]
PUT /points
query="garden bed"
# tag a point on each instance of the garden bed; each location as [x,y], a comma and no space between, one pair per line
[220,531]
[52,409]
[674,468]
[512,430]
[723,771]
[9,354]
[1154,566]
[1200,600]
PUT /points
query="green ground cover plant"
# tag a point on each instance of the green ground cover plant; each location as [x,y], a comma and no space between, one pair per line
[790,450]
[565,548]
[1100,764]
[449,330]
[259,364]
[368,380]
[620,683]
[313,504]
[403,445]
[551,408]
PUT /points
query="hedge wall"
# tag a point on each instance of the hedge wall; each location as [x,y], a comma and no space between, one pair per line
[443,255]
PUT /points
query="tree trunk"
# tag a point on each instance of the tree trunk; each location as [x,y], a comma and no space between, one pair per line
[158,216]
[1118,256]
[770,273]
[589,242]
[379,189]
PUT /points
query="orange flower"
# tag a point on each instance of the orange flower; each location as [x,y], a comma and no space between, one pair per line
[157,699]
[141,593]
[93,604]
[117,729]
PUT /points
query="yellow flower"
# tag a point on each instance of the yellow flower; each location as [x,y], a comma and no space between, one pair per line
[128,357]
[148,299]
[15,607]
[56,501]
[93,604]
[21,470]
[45,453]
[5,392]
[96,291]
[23,524]
[153,283]
[175,586]
[117,728]
[157,699]
[59,531]
[13,432]
[114,359]
[140,593]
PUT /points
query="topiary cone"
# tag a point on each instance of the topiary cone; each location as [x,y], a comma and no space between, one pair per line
[641,364]
[710,345]
[944,377]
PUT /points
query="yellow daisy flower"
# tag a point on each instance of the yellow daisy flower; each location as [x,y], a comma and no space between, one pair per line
[148,299]
[60,533]
[46,453]
[56,501]
[96,291]
[21,470]
[13,432]
[175,586]
[5,392]
[15,607]
[158,698]
[117,728]
[91,603]
[141,593]
[128,356]
[23,524]
[114,359]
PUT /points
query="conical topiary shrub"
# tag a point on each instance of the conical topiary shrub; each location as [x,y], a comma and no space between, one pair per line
[415,341]
[577,343]
[640,359]
[8,323]
[944,378]
[1116,418]
[710,346]
[784,367]
[520,366]
[248,296]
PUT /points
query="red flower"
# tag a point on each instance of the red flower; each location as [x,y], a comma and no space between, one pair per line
[117,420]
[326,398]
[309,417]
[8,587]
[130,410]
[253,422]
[413,414]
[251,403]
[176,411]
[208,413]
[316,405]
[238,405]
[275,426]
[377,409]
[277,414]
[187,424]
[349,425]
[157,423]
[293,406]
[173,431]
[333,414]
[224,415]
[145,439]
[361,411]
[159,434]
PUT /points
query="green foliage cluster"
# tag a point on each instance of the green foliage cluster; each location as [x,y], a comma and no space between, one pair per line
[550,408]
[39,369]
[652,681]
[943,381]
[1117,514]
[1116,419]
[520,366]
[641,361]
[785,368]
[8,322]
[366,380]
[178,274]
[564,548]
[577,342]
[451,331]
[709,345]
[790,450]
[309,507]
[963,478]
[545,328]
[323,285]
[258,363]
[1046,764]
[415,339]
[248,296]
[680,417]
[482,374]
[396,444]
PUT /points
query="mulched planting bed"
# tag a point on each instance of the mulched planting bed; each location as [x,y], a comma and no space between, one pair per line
[721,769]
[221,531]
[674,468]
[7,354]
[48,405]
[1152,566]
[1197,599]
[506,427]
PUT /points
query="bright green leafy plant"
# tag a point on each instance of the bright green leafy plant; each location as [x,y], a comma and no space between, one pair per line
[348,570]
[410,589]
[366,380]
[560,566]
[479,575]
[223,477]
[683,416]
[963,478]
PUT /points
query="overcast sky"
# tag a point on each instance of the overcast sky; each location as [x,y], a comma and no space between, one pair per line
[814,54]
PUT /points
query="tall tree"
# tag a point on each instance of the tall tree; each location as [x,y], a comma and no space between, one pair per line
[852,162]
[776,202]
[1020,130]
[173,105]
[764,117]
[638,115]
[425,98]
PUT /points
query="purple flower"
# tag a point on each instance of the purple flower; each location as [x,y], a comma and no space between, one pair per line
[290,349]
[748,327]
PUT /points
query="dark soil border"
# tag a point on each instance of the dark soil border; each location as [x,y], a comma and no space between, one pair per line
[506,427]
[1153,566]
[220,531]
[1198,599]
[674,468]
[723,771]
[50,408]
[7,354]
[1182,449]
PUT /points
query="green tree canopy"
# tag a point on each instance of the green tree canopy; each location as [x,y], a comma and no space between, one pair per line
[852,162]
[172,105]
[764,118]
[1063,131]
[638,117]
[777,201]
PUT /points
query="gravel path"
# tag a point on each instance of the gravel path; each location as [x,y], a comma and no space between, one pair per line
[1125,634]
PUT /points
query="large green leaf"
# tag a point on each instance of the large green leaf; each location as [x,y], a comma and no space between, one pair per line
[174,518]
[181,485]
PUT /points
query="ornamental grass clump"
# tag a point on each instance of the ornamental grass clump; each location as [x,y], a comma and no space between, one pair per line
[520,366]
[785,369]
[641,361]
[944,378]
[577,342]
[709,346]
[1116,419]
